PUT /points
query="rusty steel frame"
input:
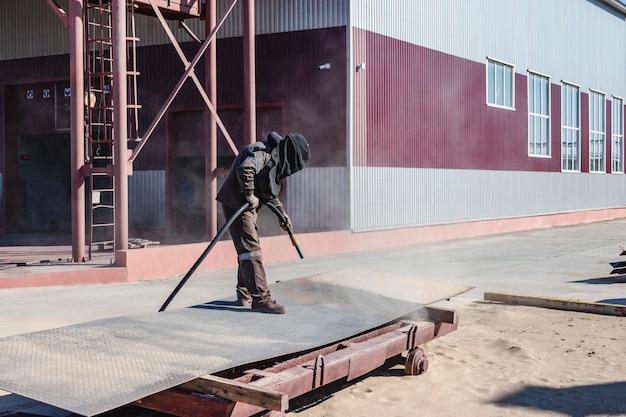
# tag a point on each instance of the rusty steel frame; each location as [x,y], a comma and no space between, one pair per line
[189,72]
[299,375]
[192,75]
[76,27]
[120,128]
[74,22]
[59,11]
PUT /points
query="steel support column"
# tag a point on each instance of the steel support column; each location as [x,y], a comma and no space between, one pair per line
[249,74]
[210,82]
[77,85]
[120,134]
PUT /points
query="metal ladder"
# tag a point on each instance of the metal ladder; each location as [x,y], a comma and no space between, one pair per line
[99,137]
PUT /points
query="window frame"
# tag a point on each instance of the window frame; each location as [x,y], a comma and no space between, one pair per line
[537,114]
[570,127]
[495,104]
[600,134]
[619,167]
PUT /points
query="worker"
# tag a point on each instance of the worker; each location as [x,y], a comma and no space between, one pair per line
[256,177]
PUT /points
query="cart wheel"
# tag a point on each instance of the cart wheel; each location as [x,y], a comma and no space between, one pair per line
[274,413]
[416,362]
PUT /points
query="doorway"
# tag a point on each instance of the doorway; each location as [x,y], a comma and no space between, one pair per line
[44,198]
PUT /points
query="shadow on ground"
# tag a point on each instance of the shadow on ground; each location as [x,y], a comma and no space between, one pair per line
[613,279]
[579,401]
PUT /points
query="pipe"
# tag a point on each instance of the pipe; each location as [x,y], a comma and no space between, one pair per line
[249,73]
[204,255]
[210,81]
[77,85]
[283,220]
[120,130]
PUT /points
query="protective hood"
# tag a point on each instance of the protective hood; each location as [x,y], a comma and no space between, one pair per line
[290,156]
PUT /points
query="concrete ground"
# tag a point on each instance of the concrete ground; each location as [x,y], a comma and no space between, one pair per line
[570,262]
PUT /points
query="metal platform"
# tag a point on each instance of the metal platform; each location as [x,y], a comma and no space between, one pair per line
[97,366]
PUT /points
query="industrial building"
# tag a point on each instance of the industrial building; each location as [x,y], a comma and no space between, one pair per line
[426,119]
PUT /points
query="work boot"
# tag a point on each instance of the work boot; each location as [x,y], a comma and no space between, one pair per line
[243,302]
[269,306]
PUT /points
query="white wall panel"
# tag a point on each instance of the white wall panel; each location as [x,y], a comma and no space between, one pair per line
[31,28]
[319,199]
[574,40]
[146,198]
[394,197]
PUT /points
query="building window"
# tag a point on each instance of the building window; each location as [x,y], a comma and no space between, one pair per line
[570,128]
[500,84]
[538,115]
[617,135]
[597,125]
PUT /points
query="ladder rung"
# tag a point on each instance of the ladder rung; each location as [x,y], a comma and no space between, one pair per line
[99,24]
[100,74]
[105,41]
[102,225]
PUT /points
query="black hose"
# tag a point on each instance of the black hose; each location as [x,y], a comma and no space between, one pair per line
[283,220]
[204,255]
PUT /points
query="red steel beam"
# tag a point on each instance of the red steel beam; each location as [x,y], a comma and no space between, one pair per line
[249,74]
[60,12]
[210,81]
[120,129]
[77,115]
[188,73]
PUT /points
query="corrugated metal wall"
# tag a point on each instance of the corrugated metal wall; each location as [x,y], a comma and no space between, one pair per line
[147,206]
[432,151]
[388,198]
[319,199]
[30,28]
[571,40]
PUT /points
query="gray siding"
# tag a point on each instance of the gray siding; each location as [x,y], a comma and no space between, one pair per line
[319,199]
[30,28]
[146,199]
[386,198]
[568,40]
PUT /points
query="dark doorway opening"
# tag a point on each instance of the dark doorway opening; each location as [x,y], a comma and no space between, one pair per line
[189,197]
[44,197]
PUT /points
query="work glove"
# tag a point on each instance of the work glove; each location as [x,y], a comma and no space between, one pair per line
[286,225]
[251,199]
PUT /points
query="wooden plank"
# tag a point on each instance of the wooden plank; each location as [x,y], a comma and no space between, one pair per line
[440,314]
[559,304]
[238,391]
[186,404]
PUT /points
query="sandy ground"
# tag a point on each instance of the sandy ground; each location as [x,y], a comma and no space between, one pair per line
[502,361]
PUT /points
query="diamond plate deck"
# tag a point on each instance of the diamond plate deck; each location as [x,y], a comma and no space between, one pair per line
[97,366]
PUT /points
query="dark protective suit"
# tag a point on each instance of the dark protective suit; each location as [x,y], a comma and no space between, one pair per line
[258,169]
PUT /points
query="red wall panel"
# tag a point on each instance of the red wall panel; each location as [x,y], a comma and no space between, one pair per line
[428,109]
